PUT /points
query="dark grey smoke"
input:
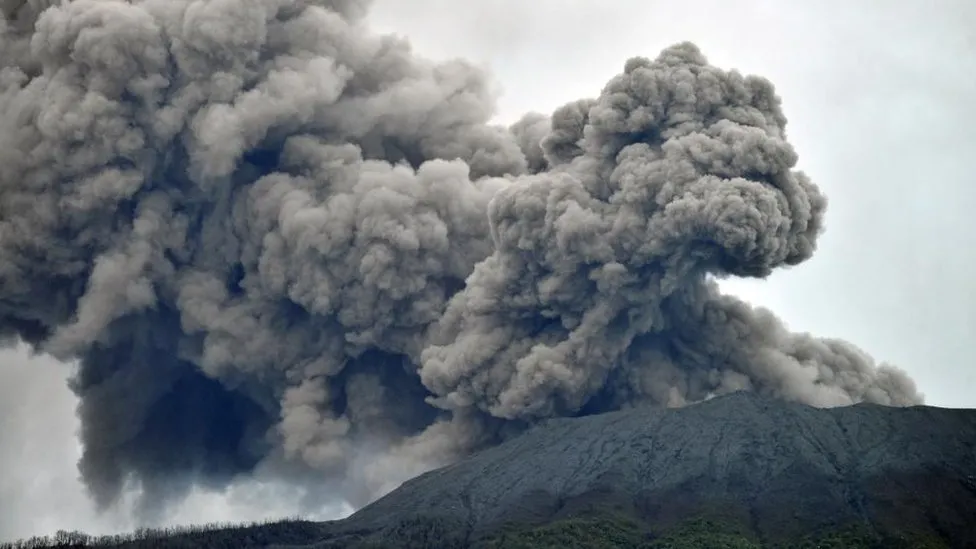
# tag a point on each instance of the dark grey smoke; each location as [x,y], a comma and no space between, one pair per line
[275,241]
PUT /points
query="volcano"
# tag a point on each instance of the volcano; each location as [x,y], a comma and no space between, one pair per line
[740,470]
[770,472]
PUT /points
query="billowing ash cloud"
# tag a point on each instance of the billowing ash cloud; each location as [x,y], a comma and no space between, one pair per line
[278,243]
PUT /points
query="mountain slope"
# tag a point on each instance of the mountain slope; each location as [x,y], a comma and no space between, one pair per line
[775,470]
[738,471]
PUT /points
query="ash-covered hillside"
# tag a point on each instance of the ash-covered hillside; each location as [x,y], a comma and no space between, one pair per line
[772,471]
[740,471]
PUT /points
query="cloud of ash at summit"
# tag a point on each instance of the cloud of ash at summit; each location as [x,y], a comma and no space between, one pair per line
[277,242]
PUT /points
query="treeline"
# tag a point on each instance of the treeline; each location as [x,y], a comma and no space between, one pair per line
[294,531]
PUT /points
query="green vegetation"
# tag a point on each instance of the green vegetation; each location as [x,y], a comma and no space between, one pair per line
[255,534]
[699,533]
[617,532]
[597,532]
[413,533]
[860,537]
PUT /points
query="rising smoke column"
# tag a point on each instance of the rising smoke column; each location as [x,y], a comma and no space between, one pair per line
[275,241]
[677,171]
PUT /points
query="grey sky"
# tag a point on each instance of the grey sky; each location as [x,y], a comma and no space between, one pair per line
[879,102]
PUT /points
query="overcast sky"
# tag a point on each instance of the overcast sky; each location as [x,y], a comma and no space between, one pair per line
[880,102]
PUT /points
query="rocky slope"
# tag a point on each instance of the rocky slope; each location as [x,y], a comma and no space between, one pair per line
[777,471]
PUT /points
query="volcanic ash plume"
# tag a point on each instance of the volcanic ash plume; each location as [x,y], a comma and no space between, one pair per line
[275,242]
